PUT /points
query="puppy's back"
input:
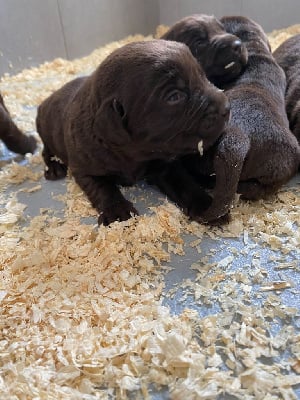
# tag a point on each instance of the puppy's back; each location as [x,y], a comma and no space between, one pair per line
[288,57]
[288,54]
[51,115]
[258,106]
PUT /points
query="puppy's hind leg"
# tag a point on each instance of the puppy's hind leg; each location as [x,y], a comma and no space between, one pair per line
[55,169]
[273,173]
[254,190]
[180,186]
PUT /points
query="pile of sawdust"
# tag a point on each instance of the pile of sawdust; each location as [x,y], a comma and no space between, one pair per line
[278,36]
[82,307]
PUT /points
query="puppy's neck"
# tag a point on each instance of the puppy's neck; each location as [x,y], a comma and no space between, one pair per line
[262,69]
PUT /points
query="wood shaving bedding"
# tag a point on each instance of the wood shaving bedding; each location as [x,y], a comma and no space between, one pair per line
[83,309]
[280,35]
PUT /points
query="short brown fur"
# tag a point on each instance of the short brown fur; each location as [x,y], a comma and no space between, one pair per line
[147,103]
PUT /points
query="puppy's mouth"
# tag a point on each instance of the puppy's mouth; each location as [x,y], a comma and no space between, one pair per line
[171,154]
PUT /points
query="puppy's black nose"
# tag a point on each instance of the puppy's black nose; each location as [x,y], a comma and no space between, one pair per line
[236,46]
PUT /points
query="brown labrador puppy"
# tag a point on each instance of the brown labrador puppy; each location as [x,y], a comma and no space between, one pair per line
[147,103]
[222,55]
[288,57]
[11,135]
[257,152]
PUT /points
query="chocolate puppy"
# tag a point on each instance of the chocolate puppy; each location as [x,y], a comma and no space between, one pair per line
[288,57]
[222,55]
[147,103]
[257,152]
[11,135]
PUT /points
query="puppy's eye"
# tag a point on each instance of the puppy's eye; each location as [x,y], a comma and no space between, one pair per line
[175,97]
[201,38]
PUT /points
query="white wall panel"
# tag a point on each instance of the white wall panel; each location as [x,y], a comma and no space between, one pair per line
[88,24]
[172,10]
[271,14]
[30,33]
[33,31]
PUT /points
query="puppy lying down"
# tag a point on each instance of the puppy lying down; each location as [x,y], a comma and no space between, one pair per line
[257,152]
[222,55]
[147,103]
[11,135]
[288,57]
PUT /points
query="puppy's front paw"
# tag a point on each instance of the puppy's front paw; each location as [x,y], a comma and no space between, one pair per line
[198,206]
[214,217]
[30,146]
[120,211]
[25,144]
[55,170]
[223,220]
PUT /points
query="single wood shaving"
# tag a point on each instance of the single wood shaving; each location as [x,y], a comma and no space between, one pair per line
[275,286]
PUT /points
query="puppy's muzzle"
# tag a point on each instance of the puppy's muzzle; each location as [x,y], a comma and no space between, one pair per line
[229,48]
[225,111]
[218,106]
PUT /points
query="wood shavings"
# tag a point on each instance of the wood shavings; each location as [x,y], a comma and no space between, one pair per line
[82,311]
[32,189]
[225,262]
[275,286]
[296,366]
[13,212]
[16,173]
[278,36]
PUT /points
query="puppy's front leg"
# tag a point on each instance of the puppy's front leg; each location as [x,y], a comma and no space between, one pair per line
[179,185]
[106,198]
[228,163]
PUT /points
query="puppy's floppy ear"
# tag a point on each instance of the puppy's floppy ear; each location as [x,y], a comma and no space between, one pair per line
[120,110]
[110,122]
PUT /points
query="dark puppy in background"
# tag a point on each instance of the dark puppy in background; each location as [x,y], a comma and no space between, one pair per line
[288,57]
[257,152]
[147,103]
[11,135]
[222,55]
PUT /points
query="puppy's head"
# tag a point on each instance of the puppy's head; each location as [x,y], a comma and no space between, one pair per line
[249,32]
[154,101]
[222,55]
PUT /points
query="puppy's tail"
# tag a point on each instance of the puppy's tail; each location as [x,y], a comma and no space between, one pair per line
[14,139]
